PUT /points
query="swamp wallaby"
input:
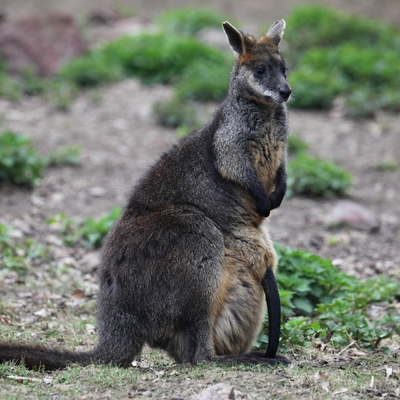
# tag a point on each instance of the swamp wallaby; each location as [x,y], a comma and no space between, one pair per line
[187,266]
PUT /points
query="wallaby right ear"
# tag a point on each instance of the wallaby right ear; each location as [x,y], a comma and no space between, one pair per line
[236,39]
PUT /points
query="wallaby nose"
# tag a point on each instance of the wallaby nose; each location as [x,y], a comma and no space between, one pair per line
[285,92]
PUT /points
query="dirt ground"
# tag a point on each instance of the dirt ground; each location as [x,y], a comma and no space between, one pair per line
[119,138]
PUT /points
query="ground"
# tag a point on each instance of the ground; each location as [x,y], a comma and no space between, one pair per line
[119,138]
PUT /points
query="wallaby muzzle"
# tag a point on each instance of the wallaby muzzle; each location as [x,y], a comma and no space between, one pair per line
[285,92]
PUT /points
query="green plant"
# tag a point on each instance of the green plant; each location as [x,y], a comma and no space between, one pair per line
[315,177]
[176,113]
[91,70]
[68,155]
[205,81]
[93,231]
[387,166]
[19,162]
[89,233]
[18,257]
[332,53]
[189,21]
[311,26]
[319,302]
[296,145]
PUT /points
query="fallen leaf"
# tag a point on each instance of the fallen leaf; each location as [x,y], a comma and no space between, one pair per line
[322,379]
[5,319]
[158,373]
[356,353]
[41,313]
[78,294]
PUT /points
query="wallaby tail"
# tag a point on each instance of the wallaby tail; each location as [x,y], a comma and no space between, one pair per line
[274,312]
[41,356]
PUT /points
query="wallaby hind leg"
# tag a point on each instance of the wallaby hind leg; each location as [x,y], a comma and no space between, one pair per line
[119,343]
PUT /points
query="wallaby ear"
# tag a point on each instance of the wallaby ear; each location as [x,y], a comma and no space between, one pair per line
[236,39]
[275,33]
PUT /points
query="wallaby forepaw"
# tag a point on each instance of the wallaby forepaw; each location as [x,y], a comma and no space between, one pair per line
[263,208]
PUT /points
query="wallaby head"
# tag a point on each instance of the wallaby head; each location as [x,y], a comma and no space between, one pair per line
[260,69]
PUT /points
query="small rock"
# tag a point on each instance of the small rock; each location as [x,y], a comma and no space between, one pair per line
[97,191]
[67,262]
[346,212]
[22,226]
[37,201]
[220,391]
[89,262]
[91,329]
[56,198]
[41,313]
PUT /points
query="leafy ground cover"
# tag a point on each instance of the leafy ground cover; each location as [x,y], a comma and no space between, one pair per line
[338,330]
[334,54]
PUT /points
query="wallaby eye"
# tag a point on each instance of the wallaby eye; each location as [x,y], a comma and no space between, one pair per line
[259,71]
[284,70]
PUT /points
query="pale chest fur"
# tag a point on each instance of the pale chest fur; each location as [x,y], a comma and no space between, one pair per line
[266,153]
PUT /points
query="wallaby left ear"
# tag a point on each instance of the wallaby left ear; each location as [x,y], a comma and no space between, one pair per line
[239,42]
[275,33]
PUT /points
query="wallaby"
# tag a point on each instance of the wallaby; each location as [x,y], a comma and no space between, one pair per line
[188,266]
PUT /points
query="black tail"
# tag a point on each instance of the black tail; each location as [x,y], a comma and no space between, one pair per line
[274,312]
[41,356]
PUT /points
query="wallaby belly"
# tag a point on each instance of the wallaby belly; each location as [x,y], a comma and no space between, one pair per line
[240,306]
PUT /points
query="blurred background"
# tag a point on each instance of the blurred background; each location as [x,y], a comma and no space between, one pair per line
[250,11]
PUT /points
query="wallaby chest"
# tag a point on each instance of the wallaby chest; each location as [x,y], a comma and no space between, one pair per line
[266,152]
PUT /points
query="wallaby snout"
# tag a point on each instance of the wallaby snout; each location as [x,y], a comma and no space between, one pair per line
[285,92]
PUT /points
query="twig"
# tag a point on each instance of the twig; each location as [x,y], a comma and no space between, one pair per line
[23,378]
[347,347]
